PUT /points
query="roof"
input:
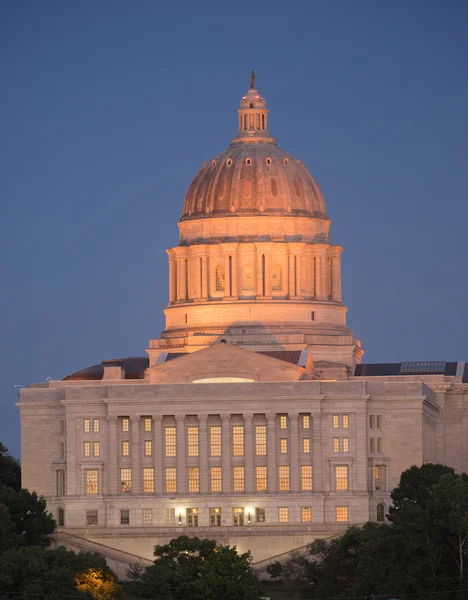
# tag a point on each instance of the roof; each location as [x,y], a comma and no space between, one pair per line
[134,368]
[290,356]
[448,369]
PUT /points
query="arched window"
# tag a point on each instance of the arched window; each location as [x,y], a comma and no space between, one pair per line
[268,161]
[248,161]
[229,162]
[247,277]
[263,121]
[380,513]
[219,278]
[276,278]
[245,121]
[378,478]
[61,517]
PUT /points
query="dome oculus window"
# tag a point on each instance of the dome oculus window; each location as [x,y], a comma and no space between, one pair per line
[286,161]
[229,162]
[268,161]
[213,163]
[248,161]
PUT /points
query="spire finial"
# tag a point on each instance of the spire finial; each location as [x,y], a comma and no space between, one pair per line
[252,80]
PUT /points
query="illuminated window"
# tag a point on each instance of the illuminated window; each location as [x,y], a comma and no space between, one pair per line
[345,421]
[371,421]
[283,514]
[261,479]
[171,443]
[260,515]
[86,448]
[305,422]
[283,446]
[238,440]
[148,447]
[216,479]
[125,480]
[336,421]
[341,514]
[86,425]
[92,484]
[171,483]
[219,277]
[345,444]
[60,483]
[379,445]
[247,277]
[306,445]
[283,472]
[96,425]
[283,422]
[192,517]
[147,516]
[306,514]
[91,517]
[125,423]
[192,441]
[148,425]
[238,477]
[125,448]
[215,441]
[306,478]
[238,516]
[215,517]
[378,478]
[260,440]
[124,516]
[194,479]
[341,477]
[276,276]
[380,513]
[148,481]
[379,421]
[96,449]
[169,516]
[336,445]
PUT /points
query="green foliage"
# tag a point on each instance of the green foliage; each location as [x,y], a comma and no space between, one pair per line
[196,569]
[10,470]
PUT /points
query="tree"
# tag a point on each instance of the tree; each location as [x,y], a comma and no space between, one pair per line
[10,470]
[99,583]
[199,570]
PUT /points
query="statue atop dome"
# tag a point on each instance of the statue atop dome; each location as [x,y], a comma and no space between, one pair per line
[252,80]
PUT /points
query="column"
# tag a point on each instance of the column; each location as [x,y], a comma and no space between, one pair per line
[320,481]
[158,460]
[135,455]
[226,452]
[203,453]
[227,276]
[259,290]
[112,453]
[336,279]
[294,455]
[272,474]
[325,276]
[172,279]
[234,274]
[268,275]
[197,273]
[181,454]
[318,278]
[248,453]
[73,451]
[291,275]
[205,278]
[182,280]
[298,275]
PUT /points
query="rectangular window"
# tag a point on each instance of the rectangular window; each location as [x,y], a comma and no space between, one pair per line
[91,517]
[378,477]
[169,516]
[345,421]
[125,516]
[171,481]
[379,421]
[260,515]
[215,440]
[192,441]
[283,422]
[372,445]
[192,517]
[283,514]
[260,440]
[125,480]
[379,445]
[86,448]
[216,479]
[96,425]
[215,517]
[341,514]
[261,479]
[171,442]
[341,477]
[371,421]
[336,445]
[238,517]
[86,425]
[147,516]
[148,447]
[306,514]
[345,444]
[125,423]
[148,425]
[148,481]
[62,427]
[283,446]
[60,481]
[92,486]
[306,445]
[283,472]
[194,479]
[96,449]
[62,450]
[238,440]
[305,422]
[125,448]
[238,477]
[306,478]
[336,421]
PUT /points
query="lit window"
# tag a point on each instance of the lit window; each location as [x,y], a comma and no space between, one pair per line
[96,425]
[283,446]
[61,517]
[171,482]
[147,516]
[247,277]
[192,441]
[192,517]
[86,448]
[341,514]
[336,421]
[92,486]
[378,478]
[238,440]
[216,479]
[124,516]
[345,421]
[169,516]
[148,447]
[380,513]
[260,515]
[125,480]
[215,517]
[171,443]
[371,421]
[276,276]
[283,514]
[60,483]
[306,479]
[125,448]
[215,441]
[260,440]
[372,445]
[96,449]
[379,445]
[86,425]
[336,445]
[345,444]
[306,445]
[283,472]
[283,422]
[91,517]
[379,421]
[125,423]
[148,424]
[341,477]
[219,277]
[238,516]
[194,479]
[306,514]
[261,479]
[148,481]
[238,477]
[305,422]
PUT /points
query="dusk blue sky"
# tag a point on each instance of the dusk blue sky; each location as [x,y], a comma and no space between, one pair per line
[109,108]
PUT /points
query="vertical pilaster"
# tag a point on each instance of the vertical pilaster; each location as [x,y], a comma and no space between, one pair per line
[226,452]
[294,454]
[158,461]
[317,460]
[112,454]
[291,275]
[271,453]
[318,278]
[172,278]
[248,453]
[135,455]
[325,277]
[234,274]
[72,485]
[259,290]
[336,279]
[203,453]
[205,277]
[227,276]
[181,454]
[298,275]
[268,274]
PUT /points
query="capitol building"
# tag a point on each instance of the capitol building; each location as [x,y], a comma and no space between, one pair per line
[252,418]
